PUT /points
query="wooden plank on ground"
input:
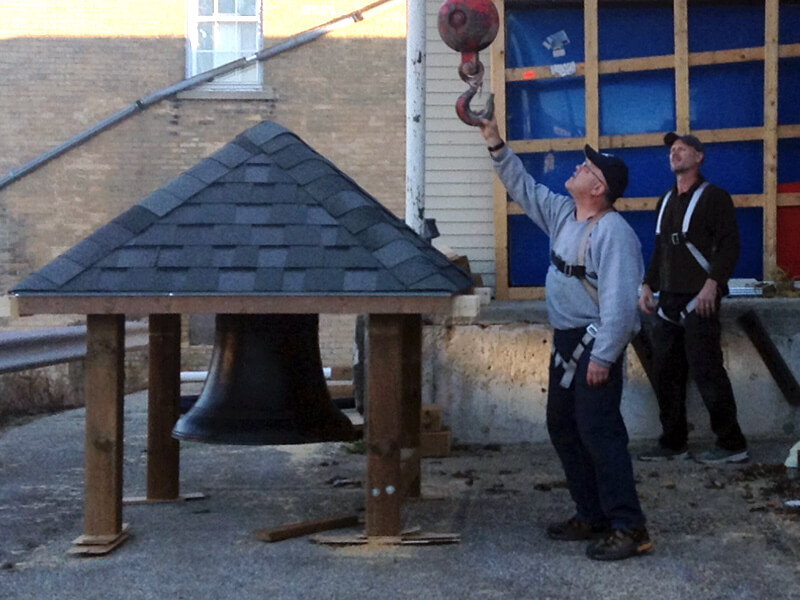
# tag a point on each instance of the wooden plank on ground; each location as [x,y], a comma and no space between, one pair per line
[300,528]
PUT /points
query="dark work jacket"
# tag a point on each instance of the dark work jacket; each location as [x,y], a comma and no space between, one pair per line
[713,230]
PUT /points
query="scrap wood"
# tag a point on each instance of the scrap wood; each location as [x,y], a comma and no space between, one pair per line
[410,538]
[290,530]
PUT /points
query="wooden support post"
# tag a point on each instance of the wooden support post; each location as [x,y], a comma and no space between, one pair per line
[394,401]
[412,398]
[163,411]
[681,35]
[501,204]
[105,373]
[591,75]
[163,408]
[771,56]
[384,421]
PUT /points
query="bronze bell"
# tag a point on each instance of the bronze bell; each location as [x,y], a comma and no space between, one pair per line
[265,386]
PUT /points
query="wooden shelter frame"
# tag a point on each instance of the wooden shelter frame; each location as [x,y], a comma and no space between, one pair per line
[393,391]
[591,69]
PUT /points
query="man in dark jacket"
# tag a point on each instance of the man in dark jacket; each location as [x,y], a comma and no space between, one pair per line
[696,249]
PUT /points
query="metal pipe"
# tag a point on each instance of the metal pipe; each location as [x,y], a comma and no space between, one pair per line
[415,114]
[23,350]
[157,96]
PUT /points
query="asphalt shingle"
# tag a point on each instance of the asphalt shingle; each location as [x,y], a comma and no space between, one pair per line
[265,214]
[137,219]
[359,219]
[231,155]
[313,169]
[85,253]
[208,171]
[343,202]
[264,132]
[236,280]
[185,186]
[160,202]
[360,280]
[379,235]
[279,142]
[395,253]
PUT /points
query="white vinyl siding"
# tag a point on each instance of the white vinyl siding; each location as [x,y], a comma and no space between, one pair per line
[458,172]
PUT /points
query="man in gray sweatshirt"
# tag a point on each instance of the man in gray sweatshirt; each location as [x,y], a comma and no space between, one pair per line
[592,292]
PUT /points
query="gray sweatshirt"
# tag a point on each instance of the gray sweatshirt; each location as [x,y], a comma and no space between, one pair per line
[614,262]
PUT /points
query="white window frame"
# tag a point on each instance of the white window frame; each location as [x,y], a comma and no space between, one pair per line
[231,82]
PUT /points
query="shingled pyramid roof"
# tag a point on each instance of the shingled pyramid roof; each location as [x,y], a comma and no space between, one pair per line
[265,215]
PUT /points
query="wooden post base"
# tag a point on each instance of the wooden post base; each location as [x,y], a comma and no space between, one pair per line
[182,498]
[407,538]
[98,545]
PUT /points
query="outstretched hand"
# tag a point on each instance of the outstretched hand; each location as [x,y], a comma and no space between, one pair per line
[490,131]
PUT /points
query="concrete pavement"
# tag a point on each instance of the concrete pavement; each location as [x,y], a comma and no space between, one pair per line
[719,532]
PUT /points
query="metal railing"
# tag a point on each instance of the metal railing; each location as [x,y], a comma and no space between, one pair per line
[22,350]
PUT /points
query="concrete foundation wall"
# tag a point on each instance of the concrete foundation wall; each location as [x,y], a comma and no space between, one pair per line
[490,375]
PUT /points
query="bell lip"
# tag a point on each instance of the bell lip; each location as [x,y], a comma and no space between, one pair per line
[257,433]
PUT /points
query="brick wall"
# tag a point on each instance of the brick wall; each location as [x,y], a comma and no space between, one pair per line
[64,68]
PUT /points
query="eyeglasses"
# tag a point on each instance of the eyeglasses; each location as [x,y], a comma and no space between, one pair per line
[586,166]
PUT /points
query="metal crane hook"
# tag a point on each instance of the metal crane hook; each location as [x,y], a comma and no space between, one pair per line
[471,72]
[468,26]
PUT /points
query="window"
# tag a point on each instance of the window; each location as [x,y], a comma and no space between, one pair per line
[220,31]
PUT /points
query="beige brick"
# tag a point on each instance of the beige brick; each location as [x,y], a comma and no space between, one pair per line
[67,65]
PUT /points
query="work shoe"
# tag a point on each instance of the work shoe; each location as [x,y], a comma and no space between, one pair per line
[575,529]
[620,544]
[659,453]
[717,455]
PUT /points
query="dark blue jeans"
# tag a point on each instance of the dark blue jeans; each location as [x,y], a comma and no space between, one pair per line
[590,438]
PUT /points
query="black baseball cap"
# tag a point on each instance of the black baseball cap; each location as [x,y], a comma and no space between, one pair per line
[613,168]
[687,139]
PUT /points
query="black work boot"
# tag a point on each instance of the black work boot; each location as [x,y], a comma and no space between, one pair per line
[620,544]
[575,528]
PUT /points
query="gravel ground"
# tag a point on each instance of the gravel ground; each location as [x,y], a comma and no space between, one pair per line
[720,532]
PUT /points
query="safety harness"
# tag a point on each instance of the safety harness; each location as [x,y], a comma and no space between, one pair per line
[570,363]
[676,239]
